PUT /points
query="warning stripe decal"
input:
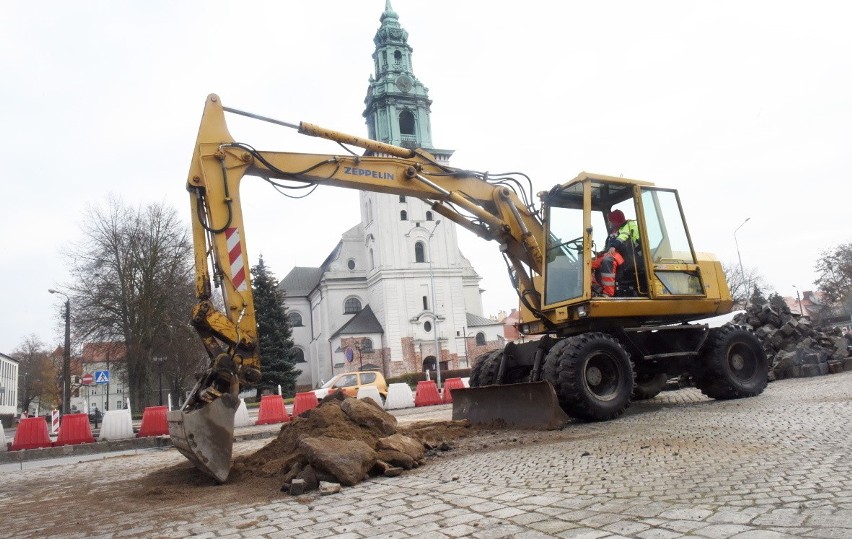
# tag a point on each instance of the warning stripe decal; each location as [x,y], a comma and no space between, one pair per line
[235,257]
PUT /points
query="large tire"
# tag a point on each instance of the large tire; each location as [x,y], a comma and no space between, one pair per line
[732,365]
[485,369]
[592,375]
[649,385]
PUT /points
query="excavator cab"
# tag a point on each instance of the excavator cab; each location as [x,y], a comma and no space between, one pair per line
[662,266]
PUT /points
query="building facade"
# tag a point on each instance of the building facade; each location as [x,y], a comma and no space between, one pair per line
[106,363]
[396,292]
[8,385]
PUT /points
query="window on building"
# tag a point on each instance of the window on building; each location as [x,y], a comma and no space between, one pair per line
[425,304]
[367,345]
[295,319]
[299,355]
[428,216]
[397,57]
[351,264]
[402,198]
[427,326]
[419,252]
[372,260]
[406,122]
[403,215]
[352,306]
[480,339]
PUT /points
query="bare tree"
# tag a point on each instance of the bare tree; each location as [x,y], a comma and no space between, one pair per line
[835,282]
[39,376]
[742,282]
[133,282]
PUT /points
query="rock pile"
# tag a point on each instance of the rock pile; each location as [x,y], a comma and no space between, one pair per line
[794,346]
[342,442]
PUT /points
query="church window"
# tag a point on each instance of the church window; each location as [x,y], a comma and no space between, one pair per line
[406,122]
[428,216]
[352,306]
[425,304]
[295,319]
[419,252]
[403,215]
[372,261]
[427,326]
[299,355]
[367,345]
[351,264]
[397,57]
[480,339]
[402,198]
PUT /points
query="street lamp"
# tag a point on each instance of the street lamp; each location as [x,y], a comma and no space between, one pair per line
[742,272]
[435,308]
[434,305]
[799,298]
[66,360]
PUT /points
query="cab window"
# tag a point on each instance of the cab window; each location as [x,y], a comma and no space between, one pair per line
[368,378]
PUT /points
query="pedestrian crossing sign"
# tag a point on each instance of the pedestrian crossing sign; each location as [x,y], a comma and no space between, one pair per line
[101,377]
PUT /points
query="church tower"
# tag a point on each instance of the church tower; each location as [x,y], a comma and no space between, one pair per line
[396,293]
[397,103]
[416,255]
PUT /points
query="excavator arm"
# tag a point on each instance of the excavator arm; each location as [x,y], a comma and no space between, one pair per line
[490,207]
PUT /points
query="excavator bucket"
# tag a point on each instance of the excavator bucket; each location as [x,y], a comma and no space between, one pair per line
[531,405]
[206,435]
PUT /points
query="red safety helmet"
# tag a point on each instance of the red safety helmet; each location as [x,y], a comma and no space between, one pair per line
[616,218]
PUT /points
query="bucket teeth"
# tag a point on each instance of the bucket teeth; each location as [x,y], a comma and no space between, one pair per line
[205,435]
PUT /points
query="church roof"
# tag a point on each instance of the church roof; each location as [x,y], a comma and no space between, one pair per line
[300,281]
[363,322]
[476,321]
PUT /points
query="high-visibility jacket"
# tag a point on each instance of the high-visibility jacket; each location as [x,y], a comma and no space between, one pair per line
[628,232]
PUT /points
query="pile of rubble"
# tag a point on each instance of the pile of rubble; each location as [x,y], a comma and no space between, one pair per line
[794,346]
[342,442]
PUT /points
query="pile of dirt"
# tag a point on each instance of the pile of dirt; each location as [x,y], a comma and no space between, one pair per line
[343,441]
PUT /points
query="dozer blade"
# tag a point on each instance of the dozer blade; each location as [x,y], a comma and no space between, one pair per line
[206,435]
[531,405]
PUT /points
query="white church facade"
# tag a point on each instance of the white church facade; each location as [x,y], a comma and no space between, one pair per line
[396,292]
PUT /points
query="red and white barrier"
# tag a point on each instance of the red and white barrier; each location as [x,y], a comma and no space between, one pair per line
[54,421]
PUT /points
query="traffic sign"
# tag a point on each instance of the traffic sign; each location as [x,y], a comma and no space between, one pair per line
[101,377]
[88,379]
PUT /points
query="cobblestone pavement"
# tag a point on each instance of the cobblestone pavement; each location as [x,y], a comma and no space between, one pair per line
[680,465]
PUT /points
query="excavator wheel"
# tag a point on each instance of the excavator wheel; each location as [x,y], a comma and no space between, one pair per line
[484,373]
[649,385]
[592,375]
[732,364]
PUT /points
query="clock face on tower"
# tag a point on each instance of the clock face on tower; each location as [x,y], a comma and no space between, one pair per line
[404,83]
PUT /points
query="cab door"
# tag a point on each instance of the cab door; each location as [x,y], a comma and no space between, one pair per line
[668,247]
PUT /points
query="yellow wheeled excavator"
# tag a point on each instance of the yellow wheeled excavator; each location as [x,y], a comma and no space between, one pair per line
[587,355]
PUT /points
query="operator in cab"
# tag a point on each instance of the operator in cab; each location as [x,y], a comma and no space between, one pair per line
[621,246]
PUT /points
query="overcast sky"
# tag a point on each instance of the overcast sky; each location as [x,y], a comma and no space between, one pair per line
[742,106]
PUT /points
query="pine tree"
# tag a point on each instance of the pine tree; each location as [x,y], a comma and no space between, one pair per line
[777,302]
[757,298]
[277,354]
